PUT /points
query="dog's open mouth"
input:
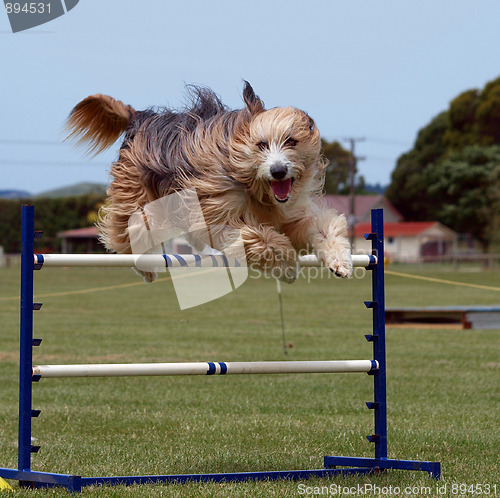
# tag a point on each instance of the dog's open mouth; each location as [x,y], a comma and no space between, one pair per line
[282,189]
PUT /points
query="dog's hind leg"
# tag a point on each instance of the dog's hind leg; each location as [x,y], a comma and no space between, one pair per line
[270,251]
[325,234]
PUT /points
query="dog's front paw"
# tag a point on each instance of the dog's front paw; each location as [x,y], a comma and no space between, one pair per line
[148,276]
[342,267]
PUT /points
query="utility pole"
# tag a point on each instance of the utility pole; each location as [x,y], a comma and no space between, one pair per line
[351,220]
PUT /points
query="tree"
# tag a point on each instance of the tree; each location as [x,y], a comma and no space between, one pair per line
[409,180]
[461,130]
[420,187]
[337,170]
[467,184]
[337,175]
[488,114]
[52,216]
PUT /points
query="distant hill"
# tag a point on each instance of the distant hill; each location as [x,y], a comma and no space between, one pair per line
[74,190]
[14,194]
[375,188]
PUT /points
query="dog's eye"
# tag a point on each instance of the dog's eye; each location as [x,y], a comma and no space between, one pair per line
[262,145]
[290,142]
[311,124]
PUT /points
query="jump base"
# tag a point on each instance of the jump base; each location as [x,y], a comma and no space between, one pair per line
[75,483]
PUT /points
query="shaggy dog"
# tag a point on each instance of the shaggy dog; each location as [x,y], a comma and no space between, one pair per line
[256,170]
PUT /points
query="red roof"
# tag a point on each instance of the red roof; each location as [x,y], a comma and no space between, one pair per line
[79,233]
[394,229]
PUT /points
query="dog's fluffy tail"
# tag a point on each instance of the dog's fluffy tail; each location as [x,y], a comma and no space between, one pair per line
[98,121]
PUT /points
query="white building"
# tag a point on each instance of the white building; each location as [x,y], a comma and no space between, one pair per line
[407,242]
[410,242]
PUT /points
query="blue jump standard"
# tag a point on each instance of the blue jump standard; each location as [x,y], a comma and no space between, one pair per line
[349,465]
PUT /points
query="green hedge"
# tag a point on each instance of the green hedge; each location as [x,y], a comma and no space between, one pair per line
[52,215]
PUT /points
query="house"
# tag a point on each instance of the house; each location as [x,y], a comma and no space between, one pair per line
[86,240]
[363,204]
[404,241]
[80,240]
[410,242]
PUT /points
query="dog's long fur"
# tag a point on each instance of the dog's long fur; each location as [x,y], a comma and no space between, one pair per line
[257,170]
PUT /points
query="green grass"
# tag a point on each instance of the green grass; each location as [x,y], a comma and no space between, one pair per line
[443,385]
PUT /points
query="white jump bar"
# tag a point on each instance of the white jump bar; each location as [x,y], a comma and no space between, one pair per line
[174,260]
[204,368]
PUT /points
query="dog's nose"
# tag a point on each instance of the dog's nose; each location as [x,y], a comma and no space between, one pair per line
[279,171]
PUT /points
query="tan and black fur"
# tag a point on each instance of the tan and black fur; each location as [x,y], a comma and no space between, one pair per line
[257,170]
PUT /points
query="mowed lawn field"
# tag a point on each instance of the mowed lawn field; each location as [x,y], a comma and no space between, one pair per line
[443,384]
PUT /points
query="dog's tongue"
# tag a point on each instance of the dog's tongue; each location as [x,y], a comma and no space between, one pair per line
[282,189]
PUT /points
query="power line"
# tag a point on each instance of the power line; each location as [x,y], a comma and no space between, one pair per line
[30,142]
[8,141]
[50,163]
[381,158]
[389,141]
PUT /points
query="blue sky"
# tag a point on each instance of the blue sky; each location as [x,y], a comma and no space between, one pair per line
[378,69]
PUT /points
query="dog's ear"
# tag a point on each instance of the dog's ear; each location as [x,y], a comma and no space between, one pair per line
[254,104]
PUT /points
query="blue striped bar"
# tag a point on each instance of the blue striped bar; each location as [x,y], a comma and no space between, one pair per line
[213,370]
[181,260]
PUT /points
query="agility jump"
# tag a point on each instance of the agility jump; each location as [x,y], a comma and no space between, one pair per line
[375,367]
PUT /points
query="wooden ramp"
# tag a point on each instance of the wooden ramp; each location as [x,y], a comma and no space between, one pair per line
[469,317]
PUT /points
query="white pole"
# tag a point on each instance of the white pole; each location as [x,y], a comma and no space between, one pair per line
[204,368]
[175,261]
[280,299]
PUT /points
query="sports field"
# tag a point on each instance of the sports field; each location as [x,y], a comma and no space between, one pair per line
[443,384]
